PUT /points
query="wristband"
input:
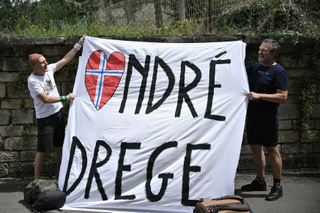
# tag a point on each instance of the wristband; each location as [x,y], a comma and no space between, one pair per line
[77,46]
[63,98]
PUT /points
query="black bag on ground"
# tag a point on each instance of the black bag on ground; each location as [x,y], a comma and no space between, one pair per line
[226,204]
[44,195]
[49,200]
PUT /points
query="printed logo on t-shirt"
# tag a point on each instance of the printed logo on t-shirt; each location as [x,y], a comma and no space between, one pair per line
[262,73]
[48,86]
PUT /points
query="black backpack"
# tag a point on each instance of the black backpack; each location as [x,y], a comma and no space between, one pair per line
[44,195]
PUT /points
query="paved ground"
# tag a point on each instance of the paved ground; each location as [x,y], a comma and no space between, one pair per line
[301,194]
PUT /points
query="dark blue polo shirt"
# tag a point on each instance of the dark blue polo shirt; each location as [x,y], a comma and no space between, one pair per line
[266,80]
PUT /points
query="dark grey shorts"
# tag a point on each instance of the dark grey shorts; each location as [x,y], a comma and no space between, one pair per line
[262,133]
[51,132]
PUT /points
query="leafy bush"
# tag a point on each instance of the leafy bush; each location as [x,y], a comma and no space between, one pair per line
[69,18]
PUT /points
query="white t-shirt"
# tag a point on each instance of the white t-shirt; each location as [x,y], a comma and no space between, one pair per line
[37,84]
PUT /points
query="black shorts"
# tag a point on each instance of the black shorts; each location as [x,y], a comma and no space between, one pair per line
[262,133]
[51,132]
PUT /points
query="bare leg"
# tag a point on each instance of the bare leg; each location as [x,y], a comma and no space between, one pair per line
[38,164]
[259,159]
[58,156]
[275,160]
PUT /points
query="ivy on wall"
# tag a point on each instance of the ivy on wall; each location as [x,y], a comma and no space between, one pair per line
[21,82]
[306,89]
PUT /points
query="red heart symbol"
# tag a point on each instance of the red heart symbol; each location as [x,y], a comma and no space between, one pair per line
[103,76]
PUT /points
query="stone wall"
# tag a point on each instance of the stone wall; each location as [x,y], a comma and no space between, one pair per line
[18,131]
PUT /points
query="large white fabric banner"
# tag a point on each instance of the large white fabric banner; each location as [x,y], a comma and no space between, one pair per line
[154,126]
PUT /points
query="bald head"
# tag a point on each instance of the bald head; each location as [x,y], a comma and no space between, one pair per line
[33,58]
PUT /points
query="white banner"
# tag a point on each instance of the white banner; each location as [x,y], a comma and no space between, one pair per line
[154,126]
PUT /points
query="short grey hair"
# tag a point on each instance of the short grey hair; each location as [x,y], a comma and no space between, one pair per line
[275,46]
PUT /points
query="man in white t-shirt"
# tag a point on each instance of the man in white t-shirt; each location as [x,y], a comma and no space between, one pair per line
[47,104]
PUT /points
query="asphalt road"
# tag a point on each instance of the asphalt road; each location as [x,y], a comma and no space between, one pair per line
[301,194]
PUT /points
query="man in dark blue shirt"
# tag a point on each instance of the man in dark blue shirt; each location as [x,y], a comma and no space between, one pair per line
[268,88]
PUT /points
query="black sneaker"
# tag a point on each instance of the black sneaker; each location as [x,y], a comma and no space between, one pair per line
[255,186]
[275,194]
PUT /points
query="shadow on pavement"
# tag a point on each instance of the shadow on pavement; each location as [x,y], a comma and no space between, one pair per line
[25,204]
[245,195]
[13,186]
